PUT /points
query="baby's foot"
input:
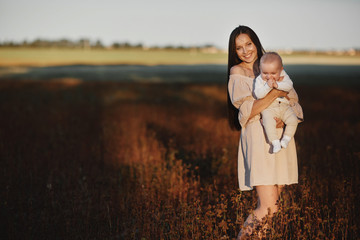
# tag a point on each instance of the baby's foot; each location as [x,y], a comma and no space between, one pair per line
[276,146]
[285,141]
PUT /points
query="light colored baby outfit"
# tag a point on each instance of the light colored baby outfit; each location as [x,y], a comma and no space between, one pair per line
[279,108]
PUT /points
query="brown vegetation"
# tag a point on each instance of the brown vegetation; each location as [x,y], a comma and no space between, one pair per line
[158,161]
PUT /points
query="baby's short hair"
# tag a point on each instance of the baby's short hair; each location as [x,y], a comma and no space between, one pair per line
[270,57]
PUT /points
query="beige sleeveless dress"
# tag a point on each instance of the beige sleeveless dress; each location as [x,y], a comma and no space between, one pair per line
[256,165]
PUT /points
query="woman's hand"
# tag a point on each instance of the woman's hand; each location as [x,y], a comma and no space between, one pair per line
[279,123]
[284,94]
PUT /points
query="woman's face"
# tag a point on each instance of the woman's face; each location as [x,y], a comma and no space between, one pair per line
[245,48]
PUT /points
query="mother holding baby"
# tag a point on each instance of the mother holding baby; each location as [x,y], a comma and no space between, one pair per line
[258,166]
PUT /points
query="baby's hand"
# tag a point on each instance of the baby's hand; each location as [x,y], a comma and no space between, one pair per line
[275,85]
[270,83]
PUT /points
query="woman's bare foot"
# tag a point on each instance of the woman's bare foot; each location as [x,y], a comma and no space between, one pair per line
[253,225]
[250,225]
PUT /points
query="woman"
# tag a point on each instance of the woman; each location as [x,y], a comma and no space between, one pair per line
[257,166]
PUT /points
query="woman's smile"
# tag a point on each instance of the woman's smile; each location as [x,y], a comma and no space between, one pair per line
[248,56]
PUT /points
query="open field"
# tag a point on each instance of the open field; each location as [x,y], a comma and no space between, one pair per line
[111,160]
[56,57]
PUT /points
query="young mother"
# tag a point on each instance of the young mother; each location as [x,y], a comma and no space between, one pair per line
[257,166]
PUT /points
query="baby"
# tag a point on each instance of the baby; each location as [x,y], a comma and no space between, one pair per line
[273,76]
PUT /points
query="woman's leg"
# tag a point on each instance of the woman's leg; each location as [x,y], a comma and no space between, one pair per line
[280,188]
[268,196]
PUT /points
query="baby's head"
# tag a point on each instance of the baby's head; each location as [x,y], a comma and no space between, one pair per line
[271,66]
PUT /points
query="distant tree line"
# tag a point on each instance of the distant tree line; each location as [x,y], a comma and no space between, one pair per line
[87,44]
[62,43]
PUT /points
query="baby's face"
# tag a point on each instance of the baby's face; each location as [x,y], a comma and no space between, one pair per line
[270,70]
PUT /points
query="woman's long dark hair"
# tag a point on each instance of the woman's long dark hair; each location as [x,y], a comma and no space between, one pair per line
[233,60]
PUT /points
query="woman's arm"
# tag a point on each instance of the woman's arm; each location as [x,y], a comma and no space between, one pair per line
[263,103]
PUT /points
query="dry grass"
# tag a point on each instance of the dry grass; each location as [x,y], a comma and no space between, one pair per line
[158,161]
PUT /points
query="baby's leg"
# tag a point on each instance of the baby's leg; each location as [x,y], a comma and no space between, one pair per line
[270,128]
[291,121]
[269,123]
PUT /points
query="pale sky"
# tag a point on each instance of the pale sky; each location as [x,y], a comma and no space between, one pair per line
[280,24]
